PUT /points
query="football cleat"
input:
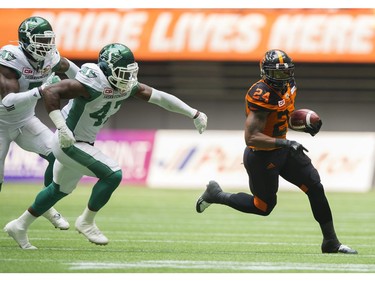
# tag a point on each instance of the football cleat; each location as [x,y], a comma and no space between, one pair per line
[208,196]
[56,219]
[19,235]
[334,246]
[346,250]
[91,231]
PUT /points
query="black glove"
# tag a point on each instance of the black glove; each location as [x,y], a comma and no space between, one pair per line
[313,129]
[293,145]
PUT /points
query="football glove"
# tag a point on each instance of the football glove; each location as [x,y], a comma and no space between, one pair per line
[293,145]
[66,137]
[200,122]
[313,129]
[52,79]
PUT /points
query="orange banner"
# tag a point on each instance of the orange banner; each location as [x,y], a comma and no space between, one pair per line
[310,35]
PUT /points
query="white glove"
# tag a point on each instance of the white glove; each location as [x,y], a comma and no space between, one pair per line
[52,79]
[66,137]
[201,122]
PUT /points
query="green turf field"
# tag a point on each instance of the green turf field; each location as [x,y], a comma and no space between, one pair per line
[159,231]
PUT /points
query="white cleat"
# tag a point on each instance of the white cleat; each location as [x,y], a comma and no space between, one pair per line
[56,219]
[19,235]
[91,231]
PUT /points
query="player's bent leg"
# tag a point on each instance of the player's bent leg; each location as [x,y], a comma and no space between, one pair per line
[43,203]
[242,202]
[101,193]
[323,215]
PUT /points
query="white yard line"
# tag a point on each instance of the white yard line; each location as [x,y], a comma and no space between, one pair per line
[223,265]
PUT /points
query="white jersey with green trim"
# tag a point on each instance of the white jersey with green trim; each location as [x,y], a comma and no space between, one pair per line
[13,57]
[86,116]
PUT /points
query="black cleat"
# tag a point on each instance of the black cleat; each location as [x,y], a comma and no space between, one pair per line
[208,196]
[334,247]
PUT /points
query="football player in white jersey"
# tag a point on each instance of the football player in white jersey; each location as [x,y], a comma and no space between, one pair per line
[96,93]
[23,69]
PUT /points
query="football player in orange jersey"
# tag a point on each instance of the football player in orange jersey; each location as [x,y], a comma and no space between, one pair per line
[269,154]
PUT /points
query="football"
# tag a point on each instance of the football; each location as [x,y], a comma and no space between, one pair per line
[301,118]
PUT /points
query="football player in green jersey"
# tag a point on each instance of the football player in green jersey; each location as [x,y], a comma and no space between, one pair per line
[96,93]
[23,69]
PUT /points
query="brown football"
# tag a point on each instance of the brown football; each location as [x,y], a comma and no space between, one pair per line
[301,118]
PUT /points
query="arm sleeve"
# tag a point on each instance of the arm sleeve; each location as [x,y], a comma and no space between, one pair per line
[13,101]
[171,103]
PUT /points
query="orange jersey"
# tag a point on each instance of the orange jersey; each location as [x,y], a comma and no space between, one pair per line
[262,96]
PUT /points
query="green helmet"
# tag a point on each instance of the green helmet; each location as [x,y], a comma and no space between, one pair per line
[118,65]
[36,38]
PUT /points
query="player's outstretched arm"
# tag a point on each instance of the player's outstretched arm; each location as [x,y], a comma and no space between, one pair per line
[173,104]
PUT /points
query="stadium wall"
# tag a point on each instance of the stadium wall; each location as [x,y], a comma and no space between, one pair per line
[186,159]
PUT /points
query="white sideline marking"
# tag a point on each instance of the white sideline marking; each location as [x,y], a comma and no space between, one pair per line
[223,265]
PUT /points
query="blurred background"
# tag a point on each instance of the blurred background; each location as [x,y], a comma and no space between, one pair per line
[210,57]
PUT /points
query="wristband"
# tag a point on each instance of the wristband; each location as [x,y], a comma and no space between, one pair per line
[57,118]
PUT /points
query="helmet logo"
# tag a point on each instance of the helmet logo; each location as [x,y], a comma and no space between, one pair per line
[113,57]
[29,28]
